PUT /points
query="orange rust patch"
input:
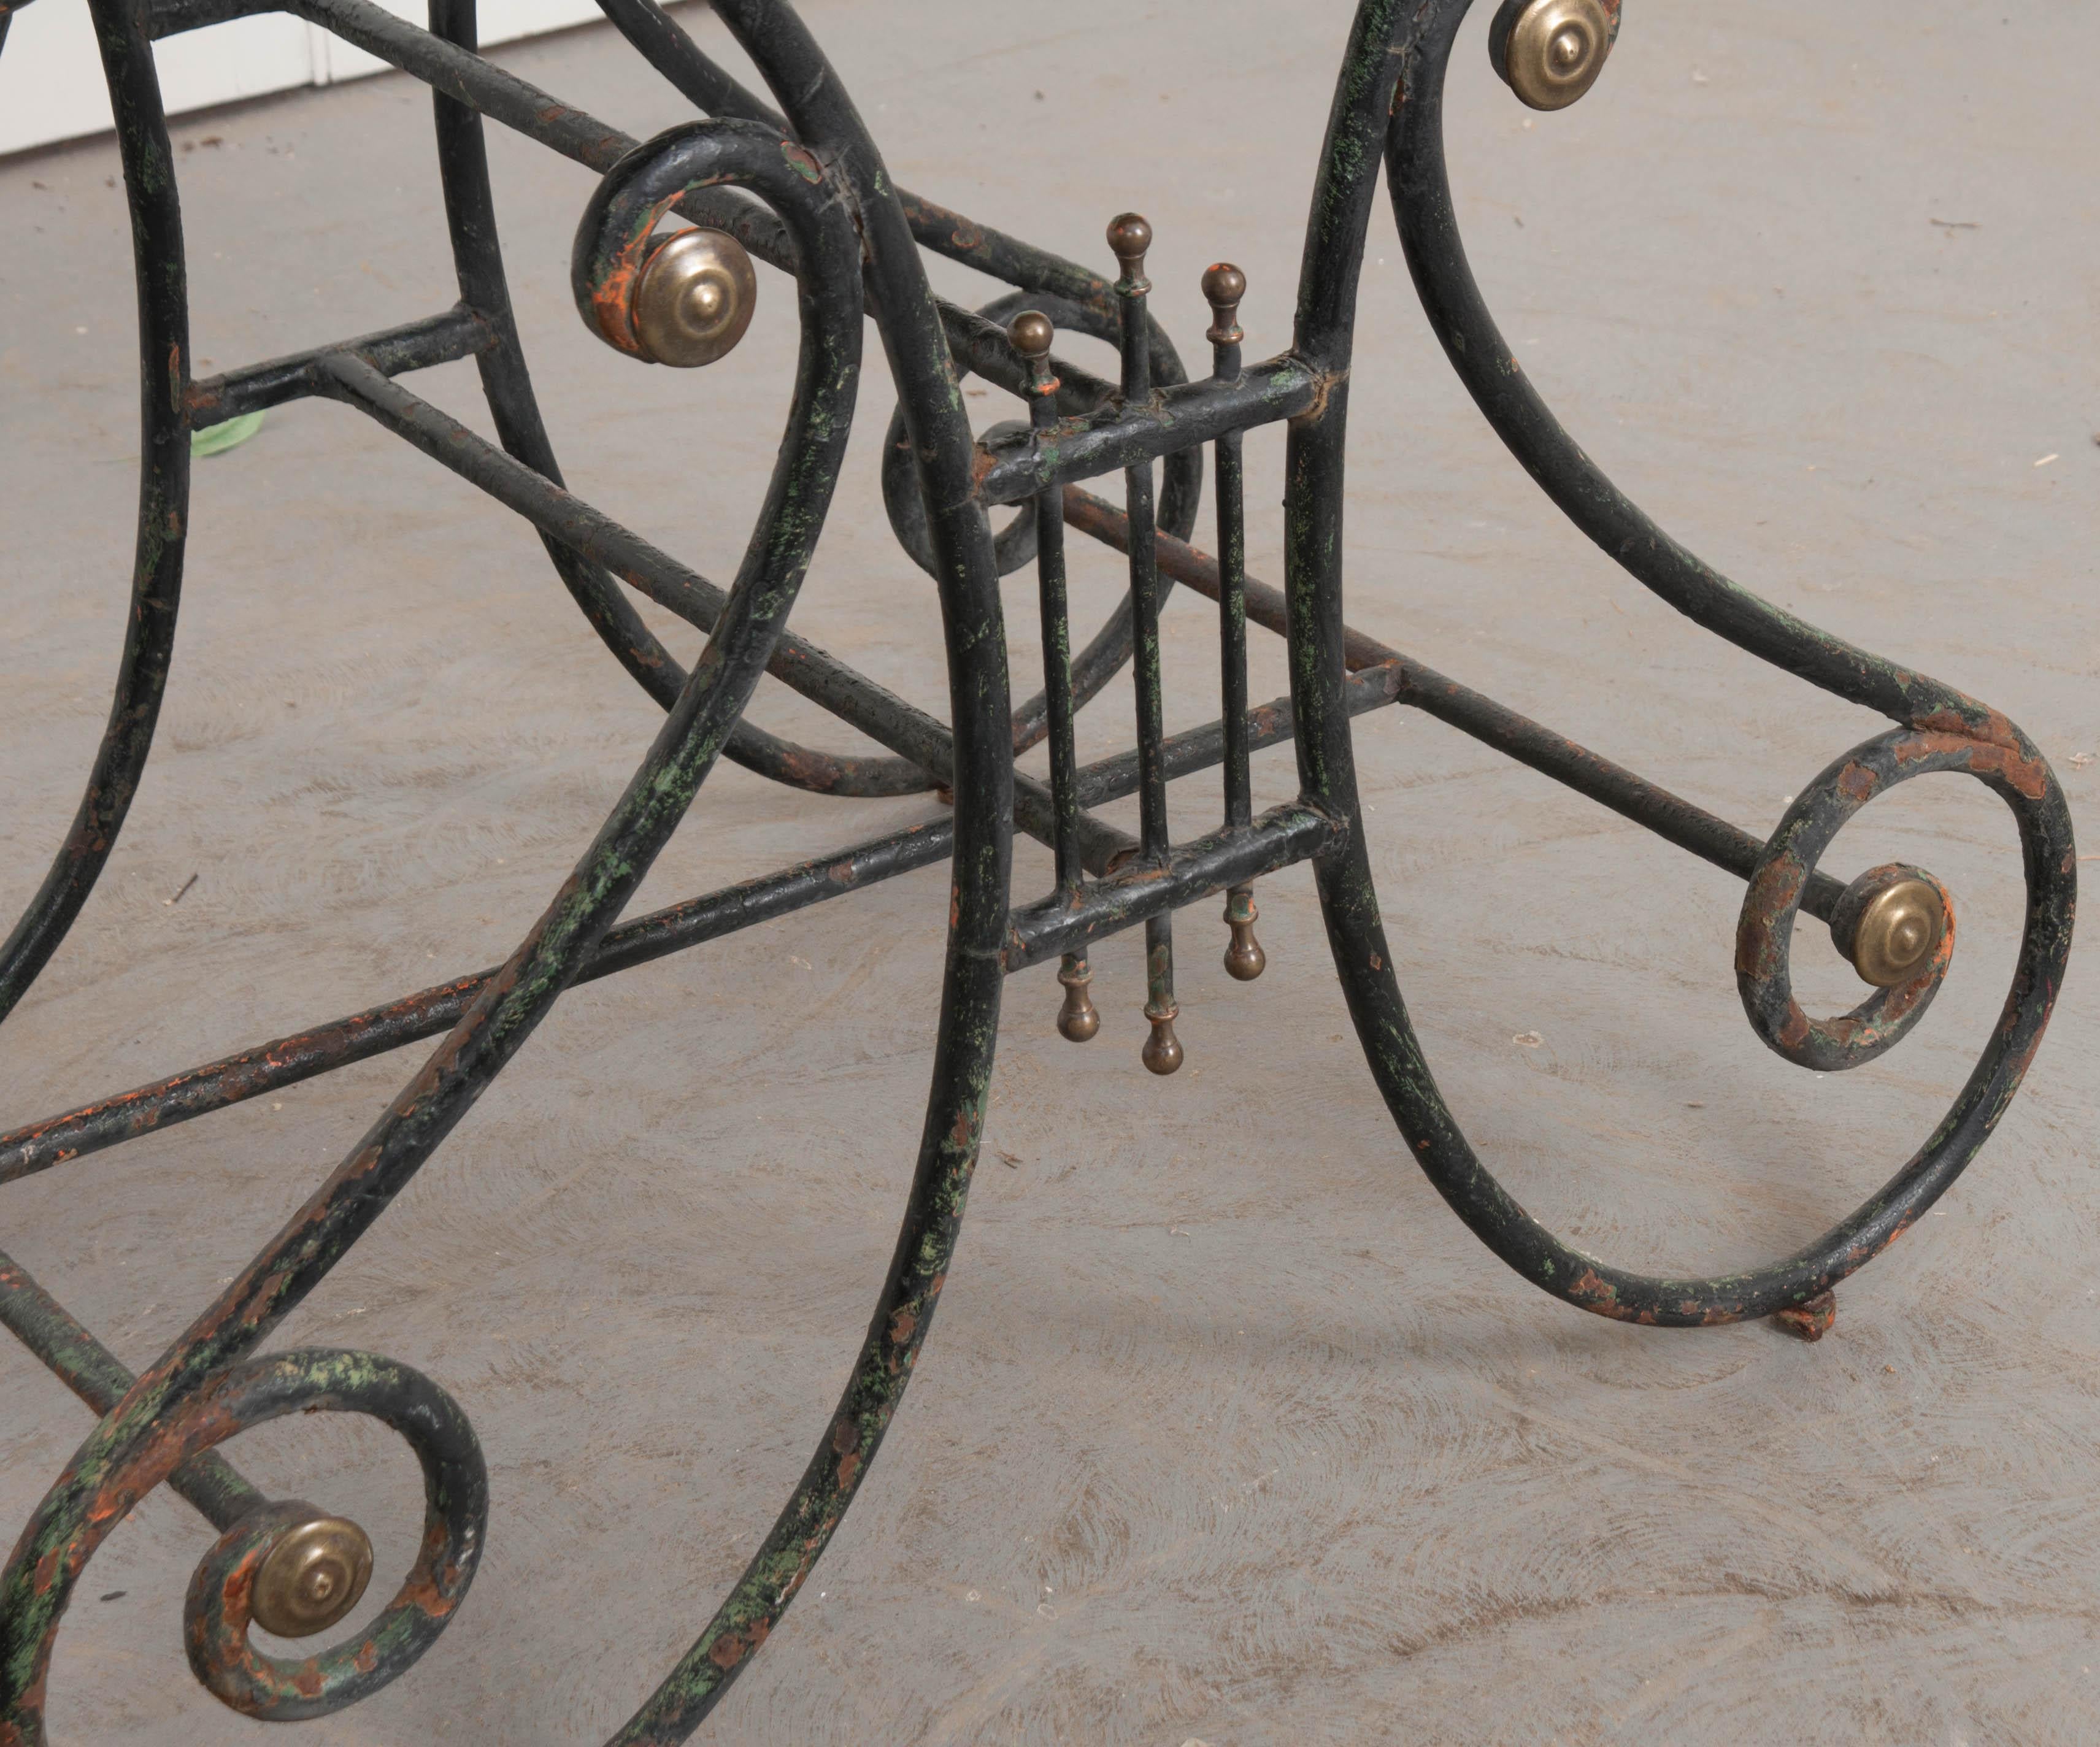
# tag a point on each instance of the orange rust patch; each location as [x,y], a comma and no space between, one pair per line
[1809,1320]
[2028,776]
[1592,1293]
[1994,728]
[1857,784]
[1995,751]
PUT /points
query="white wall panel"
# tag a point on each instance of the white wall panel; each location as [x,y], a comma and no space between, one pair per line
[51,73]
[501,21]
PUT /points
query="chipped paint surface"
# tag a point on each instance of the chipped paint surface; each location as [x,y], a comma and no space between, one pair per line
[830,207]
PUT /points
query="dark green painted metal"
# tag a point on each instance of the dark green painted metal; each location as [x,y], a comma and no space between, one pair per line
[164,493]
[216,1613]
[1413,49]
[805,191]
[65,1530]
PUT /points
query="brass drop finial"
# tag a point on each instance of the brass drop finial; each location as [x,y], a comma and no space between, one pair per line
[1078,1020]
[1550,52]
[1898,932]
[1129,235]
[1162,1050]
[1224,286]
[1244,959]
[312,1575]
[1032,332]
[695,298]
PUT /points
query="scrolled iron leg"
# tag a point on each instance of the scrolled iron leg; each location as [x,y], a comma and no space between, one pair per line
[1938,729]
[831,216]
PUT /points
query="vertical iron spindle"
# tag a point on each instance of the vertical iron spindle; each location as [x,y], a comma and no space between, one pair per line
[1130,236]
[1032,333]
[1224,286]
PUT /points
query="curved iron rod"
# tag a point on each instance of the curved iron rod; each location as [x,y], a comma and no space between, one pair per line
[798,663]
[1420,184]
[163,519]
[800,76]
[666,46]
[77,1513]
[95,1373]
[1387,45]
[1387,103]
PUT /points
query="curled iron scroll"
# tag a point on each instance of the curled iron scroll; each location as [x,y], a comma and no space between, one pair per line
[1938,729]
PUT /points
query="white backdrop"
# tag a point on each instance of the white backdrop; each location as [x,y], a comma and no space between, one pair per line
[51,75]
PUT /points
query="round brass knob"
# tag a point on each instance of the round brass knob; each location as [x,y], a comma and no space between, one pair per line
[312,1575]
[695,298]
[1897,932]
[1554,49]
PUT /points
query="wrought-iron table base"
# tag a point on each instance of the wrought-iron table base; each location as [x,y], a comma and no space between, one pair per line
[807,192]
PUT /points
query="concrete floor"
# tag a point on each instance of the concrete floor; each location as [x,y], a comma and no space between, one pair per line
[1229,1432]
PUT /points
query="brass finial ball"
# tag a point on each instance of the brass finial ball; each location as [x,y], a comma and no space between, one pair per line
[1224,285]
[1031,331]
[1129,236]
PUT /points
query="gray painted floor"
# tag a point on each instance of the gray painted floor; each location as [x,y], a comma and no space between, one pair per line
[1229,1432]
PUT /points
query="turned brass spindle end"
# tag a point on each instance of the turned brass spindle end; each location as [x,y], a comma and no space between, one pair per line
[1162,1050]
[1129,235]
[1898,932]
[695,298]
[1032,332]
[1078,1020]
[313,1575]
[1552,51]
[1244,959]
[1224,286]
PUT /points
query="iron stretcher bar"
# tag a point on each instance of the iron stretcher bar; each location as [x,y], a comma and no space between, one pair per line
[513,103]
[1141,891]
[432,1011]
[99,1379]
[1670,817]
[881,715]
